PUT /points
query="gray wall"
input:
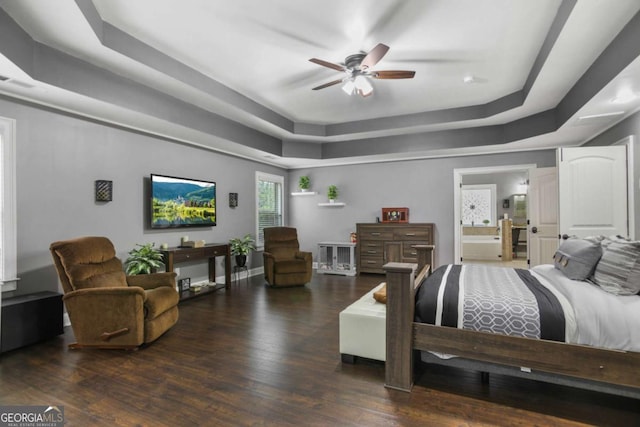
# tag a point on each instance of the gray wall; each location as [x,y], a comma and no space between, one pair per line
[424,186]
[58,159]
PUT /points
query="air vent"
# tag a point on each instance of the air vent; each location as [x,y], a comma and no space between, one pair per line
[21,84]
[598,119]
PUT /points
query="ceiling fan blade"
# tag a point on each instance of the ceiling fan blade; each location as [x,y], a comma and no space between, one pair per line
[374,56]
[335,82]
[327,64]
[394,74]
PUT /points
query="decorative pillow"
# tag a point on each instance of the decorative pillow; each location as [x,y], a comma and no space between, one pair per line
[381,295]
[618,271]
[577,258]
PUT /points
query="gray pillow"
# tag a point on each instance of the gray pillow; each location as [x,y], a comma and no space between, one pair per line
[618,272]
[577,258]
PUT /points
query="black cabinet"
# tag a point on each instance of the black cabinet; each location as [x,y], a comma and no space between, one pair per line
[27,319]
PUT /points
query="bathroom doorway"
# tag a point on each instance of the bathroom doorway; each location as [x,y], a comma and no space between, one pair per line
[485,201]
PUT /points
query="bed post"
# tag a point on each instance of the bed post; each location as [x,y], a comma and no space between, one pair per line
[425,254]
[400,309]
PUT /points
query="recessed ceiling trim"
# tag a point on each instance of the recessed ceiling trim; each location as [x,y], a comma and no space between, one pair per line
[64,71]
[133,48]
[125,44]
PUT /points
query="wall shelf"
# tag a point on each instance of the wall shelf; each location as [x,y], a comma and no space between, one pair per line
[332,205]
[304,193]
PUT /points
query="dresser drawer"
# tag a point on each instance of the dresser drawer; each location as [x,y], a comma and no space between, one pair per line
[372,247]
[371,262]
[422,234]
[408,250]
[375,233]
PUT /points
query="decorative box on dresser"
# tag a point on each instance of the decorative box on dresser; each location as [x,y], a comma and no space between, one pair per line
[380,243]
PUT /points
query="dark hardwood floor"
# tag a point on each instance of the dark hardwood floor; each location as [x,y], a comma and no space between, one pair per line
[254,356]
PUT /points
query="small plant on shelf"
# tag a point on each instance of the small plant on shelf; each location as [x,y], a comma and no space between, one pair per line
[240,247]
[144,259]
[486,222]
[304,183]
[332,192]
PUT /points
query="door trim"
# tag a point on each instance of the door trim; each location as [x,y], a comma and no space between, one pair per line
[631,182]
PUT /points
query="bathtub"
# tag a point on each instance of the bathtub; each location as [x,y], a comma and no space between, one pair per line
[482,247]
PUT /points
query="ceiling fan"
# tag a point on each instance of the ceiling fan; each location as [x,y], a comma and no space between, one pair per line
[358,70]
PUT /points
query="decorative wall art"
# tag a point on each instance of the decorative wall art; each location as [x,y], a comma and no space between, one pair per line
[478,204]
[104,191]
[233,200]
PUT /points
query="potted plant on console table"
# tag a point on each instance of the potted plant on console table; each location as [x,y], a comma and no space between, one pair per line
[144,259]
[240,247]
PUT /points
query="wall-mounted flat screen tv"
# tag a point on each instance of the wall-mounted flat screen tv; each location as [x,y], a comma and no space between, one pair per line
[182,202]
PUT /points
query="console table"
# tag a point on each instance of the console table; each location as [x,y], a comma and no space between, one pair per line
[208,252]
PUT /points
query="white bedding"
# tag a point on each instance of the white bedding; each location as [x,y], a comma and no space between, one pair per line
[602,319]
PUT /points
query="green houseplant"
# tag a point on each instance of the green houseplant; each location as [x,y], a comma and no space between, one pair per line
[304,183]
[240,247]
[332,193]
[143,260]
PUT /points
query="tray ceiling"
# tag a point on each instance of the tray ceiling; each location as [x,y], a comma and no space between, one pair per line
[235,76]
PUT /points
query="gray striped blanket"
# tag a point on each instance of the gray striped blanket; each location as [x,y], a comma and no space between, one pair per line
[506,301]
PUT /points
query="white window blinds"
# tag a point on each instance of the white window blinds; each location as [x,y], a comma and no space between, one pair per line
[269,202]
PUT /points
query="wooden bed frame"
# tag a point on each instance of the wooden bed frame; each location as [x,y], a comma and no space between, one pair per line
[403,336]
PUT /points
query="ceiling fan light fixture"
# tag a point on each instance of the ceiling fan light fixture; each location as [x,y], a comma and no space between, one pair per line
[349,87]
[358,71]
[363,86]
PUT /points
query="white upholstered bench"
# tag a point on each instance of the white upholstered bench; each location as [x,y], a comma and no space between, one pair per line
[363,329]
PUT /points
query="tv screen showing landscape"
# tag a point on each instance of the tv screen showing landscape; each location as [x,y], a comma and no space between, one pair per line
[182,202]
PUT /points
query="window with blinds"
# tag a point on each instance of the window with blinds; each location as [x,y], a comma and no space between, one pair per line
[269,202]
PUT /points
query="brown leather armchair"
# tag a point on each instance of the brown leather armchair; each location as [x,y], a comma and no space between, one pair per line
[108,309]
[284,263]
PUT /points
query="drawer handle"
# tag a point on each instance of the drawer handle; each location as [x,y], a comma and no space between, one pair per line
[414,253]
[372,252]
[375,234]
[371,262]
[410,234]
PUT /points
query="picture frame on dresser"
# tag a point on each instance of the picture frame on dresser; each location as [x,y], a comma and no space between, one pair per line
[395,215]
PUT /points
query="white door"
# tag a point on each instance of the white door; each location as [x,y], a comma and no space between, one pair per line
[593,191]
[543,215]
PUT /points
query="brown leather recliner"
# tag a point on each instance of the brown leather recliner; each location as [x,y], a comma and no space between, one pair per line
[284,263]
[108,309]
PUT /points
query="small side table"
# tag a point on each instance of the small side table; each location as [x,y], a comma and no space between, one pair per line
[237,270]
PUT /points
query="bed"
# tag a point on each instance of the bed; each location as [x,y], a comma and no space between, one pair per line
[599,347]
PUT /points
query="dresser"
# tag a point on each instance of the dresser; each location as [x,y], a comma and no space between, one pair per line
[380,243]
